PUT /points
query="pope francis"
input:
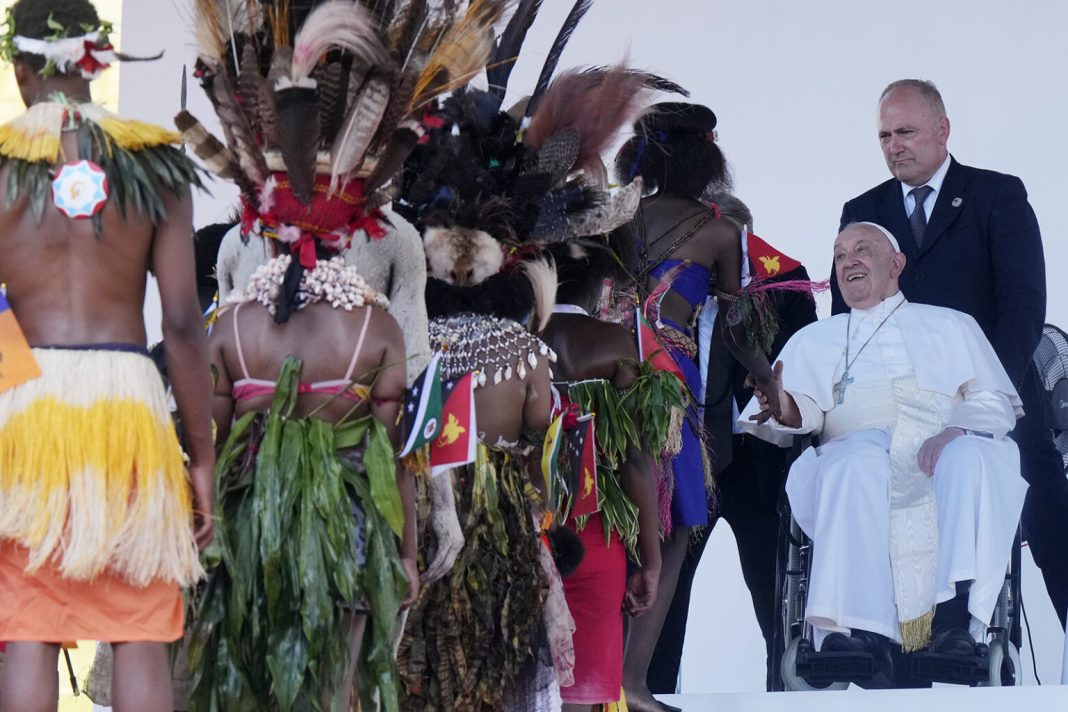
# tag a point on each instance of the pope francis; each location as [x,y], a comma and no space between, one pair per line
[913,495]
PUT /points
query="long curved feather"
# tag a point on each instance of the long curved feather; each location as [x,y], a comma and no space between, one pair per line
[337,24]
[359,129]
[461,53]
[552,59]
[507,51]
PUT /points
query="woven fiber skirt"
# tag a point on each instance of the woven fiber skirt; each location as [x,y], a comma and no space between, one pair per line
[95,508]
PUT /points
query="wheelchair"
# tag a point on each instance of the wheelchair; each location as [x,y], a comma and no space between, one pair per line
[800,666]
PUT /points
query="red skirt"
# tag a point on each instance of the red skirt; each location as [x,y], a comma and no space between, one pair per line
[595,594]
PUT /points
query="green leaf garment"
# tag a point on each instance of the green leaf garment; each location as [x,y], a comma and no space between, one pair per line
[267,629]
[470,634]
[645,415]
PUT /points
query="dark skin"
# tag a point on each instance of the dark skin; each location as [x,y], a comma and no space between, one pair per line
[588,348]
[67,287]
[716,245]
[324,339]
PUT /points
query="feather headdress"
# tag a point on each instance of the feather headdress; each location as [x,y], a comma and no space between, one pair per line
[311,94]
[491,195]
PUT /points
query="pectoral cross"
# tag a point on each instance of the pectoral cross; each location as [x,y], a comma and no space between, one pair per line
[842,385]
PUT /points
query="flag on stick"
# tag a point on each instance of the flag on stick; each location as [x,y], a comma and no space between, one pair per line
[455,443]
[582,454]
[422,409]
[650,349]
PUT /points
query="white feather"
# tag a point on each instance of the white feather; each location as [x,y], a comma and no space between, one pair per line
[337,24]
[541,273]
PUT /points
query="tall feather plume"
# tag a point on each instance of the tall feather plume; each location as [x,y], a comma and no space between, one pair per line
[359,129]
[404,28]
[504,56]
[337,24]
[215,155]
[541,273]
[593,104]
[217,23]
[402,141]
[460,54]
[552,59]
[239,136]
[298,137]
[331,100]
[248,89]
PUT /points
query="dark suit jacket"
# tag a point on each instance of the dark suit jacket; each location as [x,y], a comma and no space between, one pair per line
[726,377]
[982,255]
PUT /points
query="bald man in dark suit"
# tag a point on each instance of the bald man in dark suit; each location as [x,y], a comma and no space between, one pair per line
[973,244]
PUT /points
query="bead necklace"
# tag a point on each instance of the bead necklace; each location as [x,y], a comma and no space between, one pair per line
[474,343]
[333,281]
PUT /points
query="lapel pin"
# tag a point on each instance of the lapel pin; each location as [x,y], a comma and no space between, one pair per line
[957,202]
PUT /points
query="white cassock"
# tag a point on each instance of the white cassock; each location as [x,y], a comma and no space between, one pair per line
[889,541]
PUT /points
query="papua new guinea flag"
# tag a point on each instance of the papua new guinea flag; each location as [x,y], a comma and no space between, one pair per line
[455,444]
[582,455]
[422,409]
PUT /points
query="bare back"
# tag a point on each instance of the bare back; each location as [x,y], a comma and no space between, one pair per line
[588,348]
[65,284]
[325,340]
[715,245]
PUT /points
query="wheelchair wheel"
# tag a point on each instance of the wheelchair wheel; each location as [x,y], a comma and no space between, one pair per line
[791,681]
[1006,670]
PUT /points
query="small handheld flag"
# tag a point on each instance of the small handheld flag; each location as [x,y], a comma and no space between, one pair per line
[455,444]
[650,349]
[422,409]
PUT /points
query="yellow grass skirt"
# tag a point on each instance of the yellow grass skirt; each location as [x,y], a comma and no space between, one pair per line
[91,474]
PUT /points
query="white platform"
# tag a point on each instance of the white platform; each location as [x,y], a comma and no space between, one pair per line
[943,699]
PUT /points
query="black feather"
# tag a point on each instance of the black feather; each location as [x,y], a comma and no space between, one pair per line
[506,53]
[507,295]
[578,11]
[652,81]
[298,137]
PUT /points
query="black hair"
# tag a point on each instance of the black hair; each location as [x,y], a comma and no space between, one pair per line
[674,150]
[206,242]
[581,271]
[507,295]
[30,18]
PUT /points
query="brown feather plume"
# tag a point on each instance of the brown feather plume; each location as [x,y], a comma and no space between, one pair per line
[594,104]
[359,129]
[331,100]
[461,53]
[239,136]
[248,84]
[405,27]
[216,156]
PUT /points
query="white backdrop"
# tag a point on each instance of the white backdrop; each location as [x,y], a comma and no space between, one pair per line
[794,85]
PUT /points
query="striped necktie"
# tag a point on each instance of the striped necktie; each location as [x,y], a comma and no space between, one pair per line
[918,218]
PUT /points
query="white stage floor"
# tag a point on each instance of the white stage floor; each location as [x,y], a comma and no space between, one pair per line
[1053,698]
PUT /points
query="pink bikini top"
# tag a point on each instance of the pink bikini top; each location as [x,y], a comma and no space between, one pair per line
[248,387]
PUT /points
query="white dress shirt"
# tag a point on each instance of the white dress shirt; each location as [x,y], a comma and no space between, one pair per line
[935,183]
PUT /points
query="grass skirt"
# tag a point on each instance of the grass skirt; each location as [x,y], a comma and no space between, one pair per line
[267,631]
[471,634]
[95,508]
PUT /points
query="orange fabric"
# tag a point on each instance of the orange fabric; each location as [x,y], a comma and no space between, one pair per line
[47,607]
